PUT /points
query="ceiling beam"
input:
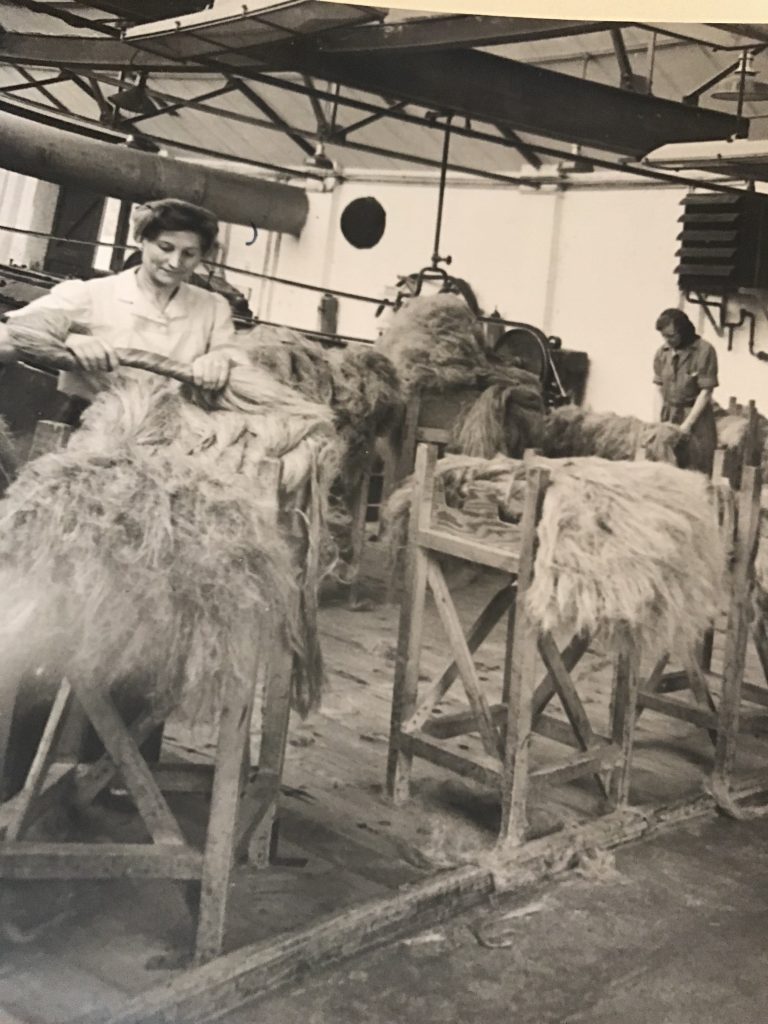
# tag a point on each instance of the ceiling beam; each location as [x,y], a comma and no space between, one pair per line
[317,110]
[44,114]
[69,17]
[459,30]
[139,11]
[28,84]
[344,131]
[40,87]
[84,52]
[627,75]
[520,145]
[725,38]
[758,32]
[527,98]
[250,94]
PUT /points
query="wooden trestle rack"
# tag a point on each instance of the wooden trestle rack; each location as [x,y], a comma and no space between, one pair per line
[505,728]
[242,798]
[724,703]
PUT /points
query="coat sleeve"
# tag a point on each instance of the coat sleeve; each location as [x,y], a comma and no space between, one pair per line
[223,337]
[66,307]
[707,367]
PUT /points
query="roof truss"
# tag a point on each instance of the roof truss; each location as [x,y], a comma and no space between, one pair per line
[426,62]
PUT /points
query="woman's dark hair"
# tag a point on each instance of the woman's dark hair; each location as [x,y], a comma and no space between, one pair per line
[151,219]
[676,318]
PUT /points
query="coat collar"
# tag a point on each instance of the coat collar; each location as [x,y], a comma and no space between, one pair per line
[127,290]
[684,352]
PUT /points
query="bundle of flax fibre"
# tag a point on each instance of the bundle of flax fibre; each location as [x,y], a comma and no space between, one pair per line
[143,568]
[436,344]
[570,431]
[506,418]
[358,384]
[149,411]
[367,404]
[732,435]
[628,546]
[622,545]
[152,415]
[291,358]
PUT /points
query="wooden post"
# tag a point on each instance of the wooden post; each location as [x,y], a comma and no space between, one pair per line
[623,717]
[275,663]
[9,689]
[411,626]
[359,517]
[737,635]
[40,763]
[405,459]
[234,735]
[514,784]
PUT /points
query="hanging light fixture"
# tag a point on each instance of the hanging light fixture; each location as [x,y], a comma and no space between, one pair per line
[320,159]
[135,98]
[744,85]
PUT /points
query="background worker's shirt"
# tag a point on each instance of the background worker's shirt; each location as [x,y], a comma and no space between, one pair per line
[683,373]
[116,311]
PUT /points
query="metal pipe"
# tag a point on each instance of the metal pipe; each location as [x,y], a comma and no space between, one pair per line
[66,158]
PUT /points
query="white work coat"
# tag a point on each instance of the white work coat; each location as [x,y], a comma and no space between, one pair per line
[115,310]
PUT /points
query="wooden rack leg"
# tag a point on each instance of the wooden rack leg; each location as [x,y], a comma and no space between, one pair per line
[9,688]
[623,718]
[406,456]
[359,518]
[748,525]
[276,711]
[40,763]
[259,808]
[760,635]
[514,779]
[234,735]
[404,697]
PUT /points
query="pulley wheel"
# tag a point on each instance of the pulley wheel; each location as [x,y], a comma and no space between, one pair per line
[525,347]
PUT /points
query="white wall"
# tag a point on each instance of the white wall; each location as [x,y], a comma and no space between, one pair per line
[594,265]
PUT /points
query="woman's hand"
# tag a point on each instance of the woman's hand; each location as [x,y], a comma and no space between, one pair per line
[91,353]
[211,371]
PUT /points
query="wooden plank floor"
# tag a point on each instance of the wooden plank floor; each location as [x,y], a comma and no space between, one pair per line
[340,841]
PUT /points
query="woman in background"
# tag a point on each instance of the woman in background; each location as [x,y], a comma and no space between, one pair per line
[685,372]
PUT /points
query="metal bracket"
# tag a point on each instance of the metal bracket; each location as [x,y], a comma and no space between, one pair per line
[722,324]
[719,325]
